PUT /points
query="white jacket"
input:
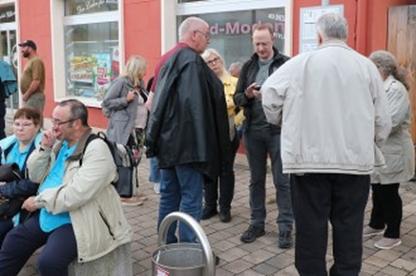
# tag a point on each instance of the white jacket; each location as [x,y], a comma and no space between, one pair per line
[333,110]
[398,149]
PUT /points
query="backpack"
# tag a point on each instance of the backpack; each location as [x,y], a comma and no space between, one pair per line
[123,159]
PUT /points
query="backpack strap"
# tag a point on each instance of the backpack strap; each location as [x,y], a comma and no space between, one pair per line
[91,137]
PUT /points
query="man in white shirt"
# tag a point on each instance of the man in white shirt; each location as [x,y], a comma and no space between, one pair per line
[332,109]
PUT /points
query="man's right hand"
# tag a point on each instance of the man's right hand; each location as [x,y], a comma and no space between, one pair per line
[251,91]
[48,139]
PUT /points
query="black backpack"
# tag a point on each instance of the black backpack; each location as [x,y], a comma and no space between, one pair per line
[124,161]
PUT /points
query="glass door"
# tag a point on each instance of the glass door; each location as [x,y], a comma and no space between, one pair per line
[8,48]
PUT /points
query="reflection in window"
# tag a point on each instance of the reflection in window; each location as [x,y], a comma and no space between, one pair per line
[92,58]
[75,7]
[231,31]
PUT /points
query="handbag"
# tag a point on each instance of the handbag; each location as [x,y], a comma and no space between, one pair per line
[10,206]
[10,172]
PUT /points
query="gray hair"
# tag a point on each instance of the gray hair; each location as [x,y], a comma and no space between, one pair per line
[211,51]
[332,26]
[188,25]
[387,64]
[77,109]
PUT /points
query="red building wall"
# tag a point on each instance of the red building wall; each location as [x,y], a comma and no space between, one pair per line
[367,21]
[35,24]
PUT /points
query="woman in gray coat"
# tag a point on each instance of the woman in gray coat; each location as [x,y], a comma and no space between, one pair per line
[124,105]
[398,152]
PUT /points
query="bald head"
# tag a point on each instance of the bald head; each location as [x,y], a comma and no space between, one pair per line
[189,25]
[195,32]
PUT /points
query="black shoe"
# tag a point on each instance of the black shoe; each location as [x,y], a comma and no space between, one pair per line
[217,260]
[285,240]
[252,233]
[225,216]
[208,212]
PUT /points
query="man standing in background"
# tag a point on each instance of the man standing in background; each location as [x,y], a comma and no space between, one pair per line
[32,82]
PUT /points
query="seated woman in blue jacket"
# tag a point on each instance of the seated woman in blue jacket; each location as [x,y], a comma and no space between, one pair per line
[16,149]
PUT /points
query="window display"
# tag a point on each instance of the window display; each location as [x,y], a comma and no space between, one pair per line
[92,58]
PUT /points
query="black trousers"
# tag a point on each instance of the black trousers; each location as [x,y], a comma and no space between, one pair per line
[227,183]
[387,209]
[341,199]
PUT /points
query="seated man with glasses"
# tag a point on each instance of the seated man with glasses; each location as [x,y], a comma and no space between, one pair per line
[77,212]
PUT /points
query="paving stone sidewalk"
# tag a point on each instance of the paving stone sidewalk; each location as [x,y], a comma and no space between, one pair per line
[262,257]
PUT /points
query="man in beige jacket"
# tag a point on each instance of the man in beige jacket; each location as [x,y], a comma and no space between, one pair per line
[332,108]
[77,212]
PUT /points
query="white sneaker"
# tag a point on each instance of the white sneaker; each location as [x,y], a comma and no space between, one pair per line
[387,243]
[156,188]
[370,231]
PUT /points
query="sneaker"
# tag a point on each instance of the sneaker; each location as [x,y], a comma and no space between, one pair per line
[225,216]
[387,243]
[285,240]
[370,231]
[156,188]
[252,233]
[131,201]
[208,213]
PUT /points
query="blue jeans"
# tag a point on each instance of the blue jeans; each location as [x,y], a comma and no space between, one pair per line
[180,190]
[154,175]
[59,251]
[259,145]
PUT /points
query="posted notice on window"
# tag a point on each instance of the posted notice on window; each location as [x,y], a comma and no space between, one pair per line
[308,16]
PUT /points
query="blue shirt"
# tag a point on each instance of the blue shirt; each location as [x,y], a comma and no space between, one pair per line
[49,222]
[17,156]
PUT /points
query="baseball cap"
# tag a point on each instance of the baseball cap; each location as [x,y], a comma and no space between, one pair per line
[29,43]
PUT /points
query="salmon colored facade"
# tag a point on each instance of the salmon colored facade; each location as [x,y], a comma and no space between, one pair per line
[368,31]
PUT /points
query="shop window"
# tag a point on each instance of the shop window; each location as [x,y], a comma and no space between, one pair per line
[232,21]
[231,31]
[91,58]
[86,43]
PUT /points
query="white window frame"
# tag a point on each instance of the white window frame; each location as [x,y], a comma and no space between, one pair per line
[58,22]
[169,28]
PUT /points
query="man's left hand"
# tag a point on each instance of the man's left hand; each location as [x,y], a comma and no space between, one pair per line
[30,204]
[25,97]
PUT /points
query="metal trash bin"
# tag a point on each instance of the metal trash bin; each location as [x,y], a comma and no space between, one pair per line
[183,259]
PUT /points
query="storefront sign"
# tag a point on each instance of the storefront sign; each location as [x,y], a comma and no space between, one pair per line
[87,6]
[308,16]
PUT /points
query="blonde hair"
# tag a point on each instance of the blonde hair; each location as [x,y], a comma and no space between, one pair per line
[135,69]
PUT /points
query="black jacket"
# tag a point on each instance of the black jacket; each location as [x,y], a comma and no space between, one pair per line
[188,123]
[248,76]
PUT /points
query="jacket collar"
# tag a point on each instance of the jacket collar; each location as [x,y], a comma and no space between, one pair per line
[80,146]
[276,55]
[388,82]
[334,43]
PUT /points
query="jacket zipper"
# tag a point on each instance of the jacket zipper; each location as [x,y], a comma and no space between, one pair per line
[107,224]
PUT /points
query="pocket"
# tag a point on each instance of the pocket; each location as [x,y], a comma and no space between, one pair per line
[394,163]
[106,223]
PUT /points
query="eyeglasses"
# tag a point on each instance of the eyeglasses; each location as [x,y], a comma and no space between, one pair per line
[23,125]
[56,122]
[207,35]
[213,61]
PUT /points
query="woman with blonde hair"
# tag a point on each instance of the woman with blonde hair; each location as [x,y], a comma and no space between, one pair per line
[124,105]
[227,179]
[398,152]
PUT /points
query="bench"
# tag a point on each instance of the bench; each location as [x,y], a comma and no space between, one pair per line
[117,262]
